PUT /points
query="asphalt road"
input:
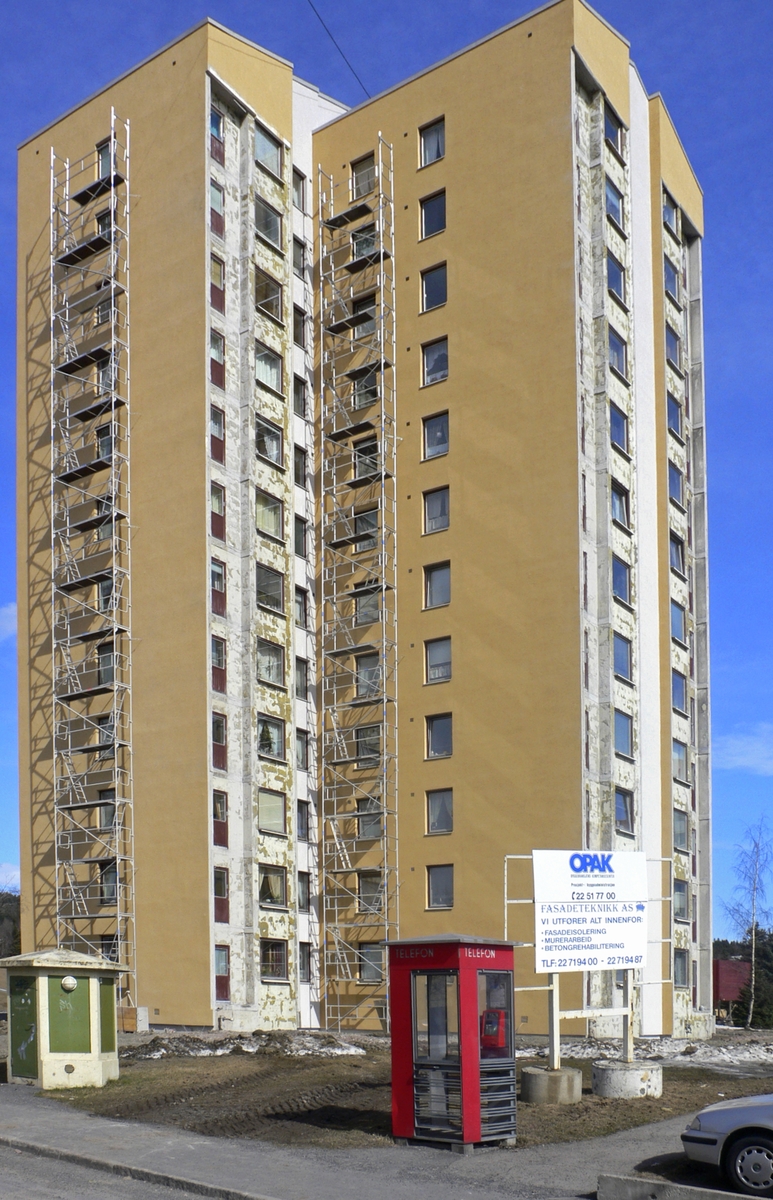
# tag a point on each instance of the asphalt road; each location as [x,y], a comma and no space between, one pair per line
[28,1177]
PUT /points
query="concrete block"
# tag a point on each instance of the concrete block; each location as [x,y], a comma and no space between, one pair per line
[541,1086]
[625,1081]
[631,1187]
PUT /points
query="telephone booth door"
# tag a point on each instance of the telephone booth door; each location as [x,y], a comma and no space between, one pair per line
[437,1078]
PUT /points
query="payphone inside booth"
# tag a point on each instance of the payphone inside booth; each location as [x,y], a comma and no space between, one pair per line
[453,1056]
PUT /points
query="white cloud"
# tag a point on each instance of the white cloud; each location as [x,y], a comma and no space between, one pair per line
[9,876]
[751,751]
[7,621]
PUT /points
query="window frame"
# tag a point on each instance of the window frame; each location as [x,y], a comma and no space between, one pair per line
[299,179]
[427,669]
[260,643]
[618,446]
[428,346]
[272,870]
[621,639]
[614,336]
[425,129]
[618,224]
[278,575]
[430,567]
[265,352]
[278,246]
[619,490]
[260,420]
[270,719]
[439,491]
[621,295]
[355,182]
[280,799]
[423,235]
[280,149]
[426,456]
[261,274]
[302,595]
[261,493]
[436,792]
[265,944]
[629,827]
[429,726]
[431,867]
[423,277]
[626,722]
[621,599]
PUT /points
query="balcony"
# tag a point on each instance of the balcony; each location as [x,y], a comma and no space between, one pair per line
[86,460]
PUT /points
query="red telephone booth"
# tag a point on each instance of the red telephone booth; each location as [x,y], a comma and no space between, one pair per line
[453,1056]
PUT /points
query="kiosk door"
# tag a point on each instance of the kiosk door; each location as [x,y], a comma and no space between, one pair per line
[24,1026]
[437,1091]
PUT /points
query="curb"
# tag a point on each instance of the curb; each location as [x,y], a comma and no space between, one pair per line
[143,1174]
[629,1187]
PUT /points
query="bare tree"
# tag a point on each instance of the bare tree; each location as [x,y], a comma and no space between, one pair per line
[753,861]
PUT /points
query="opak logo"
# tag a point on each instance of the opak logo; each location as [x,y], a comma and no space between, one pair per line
[591,862]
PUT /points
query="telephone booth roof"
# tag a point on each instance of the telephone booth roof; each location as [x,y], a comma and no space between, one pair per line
[58,960]
[453,939]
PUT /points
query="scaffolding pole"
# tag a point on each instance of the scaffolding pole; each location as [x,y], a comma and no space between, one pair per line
[91,554]
[359,615]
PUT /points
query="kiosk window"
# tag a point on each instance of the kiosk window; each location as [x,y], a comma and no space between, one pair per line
[495,1010]
[436,1009]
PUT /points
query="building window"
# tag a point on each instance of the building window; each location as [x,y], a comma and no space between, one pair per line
[268,295]
[618,353]
[106,663]
[268,223]
[217,358]
[273,887]
[269,514]
[370,962]
[436,510]
[105,595]
[439,736]
[365,458]
[108,883]
[217,587]
[364,309]
[299,466]
[216,208]
[364,243]
[270,588]
[434,287]
[299,326]
[367,610]
[679,761]
[675,484]
[435,435]
[218,665]
[217,434]
[671,277]
[271,662]
[217,511]
[104,311]
[366,524]
[363,176]
[681,968]
[299,190]
[304,891]
[222,973]
[103,160]
[268,441]
[622,657]
[613,130]
[303,823]
[678,691]
[435,361]
[217,283]
[301,608]
[681,831]
[369,814]
[676,553]
[365,388]
[217,135]
[674,415]
[367,741]
[367,676]
[618,428]
[299,396]
[614,203]
[670,214]
[106,810]
[300,536]
[299,257]
[268,367]
[615,277]
[369,891]
[437,585]
[438,660]
[440,886]
[681,901]
[272,811]
[623,811]
[220,818]
[678,623]
[620,505]
[440,811]
[268,151]
[304,962]
[302,749]
[623,733]
[220,887]
[273,959]
[301,679]
[433,142]
[673,348]
[433,214]
[220,741]
[271,737]
[621,580]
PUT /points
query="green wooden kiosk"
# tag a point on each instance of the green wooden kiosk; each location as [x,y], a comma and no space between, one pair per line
[61,1019]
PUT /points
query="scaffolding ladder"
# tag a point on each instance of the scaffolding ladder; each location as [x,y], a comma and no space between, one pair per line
[91,553]
[359,614]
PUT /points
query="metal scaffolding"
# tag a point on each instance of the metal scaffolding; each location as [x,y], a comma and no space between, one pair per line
[90,553]
[359,615]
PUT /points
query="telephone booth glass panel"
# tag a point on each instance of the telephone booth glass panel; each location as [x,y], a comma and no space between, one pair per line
[436,1009]
[495,1011]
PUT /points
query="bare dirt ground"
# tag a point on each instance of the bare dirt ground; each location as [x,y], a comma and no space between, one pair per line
[330,1091]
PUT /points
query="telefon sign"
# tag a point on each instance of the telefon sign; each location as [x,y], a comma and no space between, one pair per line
[590,910]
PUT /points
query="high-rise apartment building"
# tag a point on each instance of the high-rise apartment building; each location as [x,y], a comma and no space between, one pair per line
[322,407]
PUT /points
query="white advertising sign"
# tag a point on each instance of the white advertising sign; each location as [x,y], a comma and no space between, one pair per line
[590,910]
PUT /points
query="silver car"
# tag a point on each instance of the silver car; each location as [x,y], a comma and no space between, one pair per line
[737,1137]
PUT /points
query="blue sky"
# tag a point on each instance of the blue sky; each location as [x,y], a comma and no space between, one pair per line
[711,62]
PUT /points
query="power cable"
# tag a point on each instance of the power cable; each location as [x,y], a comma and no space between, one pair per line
[338,48]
